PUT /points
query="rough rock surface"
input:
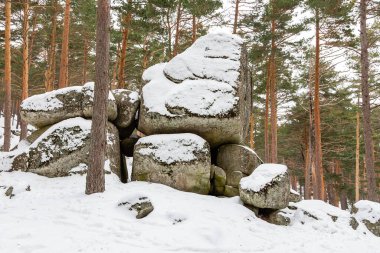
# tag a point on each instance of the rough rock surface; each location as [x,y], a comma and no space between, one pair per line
[368,212]
[267,187]
[218,180]
[231,191]
[234,177]
[52,107]
[142,206]
[205,91]
[294,196]
[233,157]
[127,105]
[181,161]
[279,218]
[88,100]
[61,147]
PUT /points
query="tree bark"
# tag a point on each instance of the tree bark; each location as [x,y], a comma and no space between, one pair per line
[266,120]
[85,54]
[123,53]
[307,166]
[64,66]
[50,72]
[7,78]
[177,29]
[366,110]
[273,96]
[194,29]
[317,117]
[25,64]
[236,16]
[252,131]
[95,181]
[357,157]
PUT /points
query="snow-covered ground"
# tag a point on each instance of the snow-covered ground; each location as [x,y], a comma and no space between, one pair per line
[56,216]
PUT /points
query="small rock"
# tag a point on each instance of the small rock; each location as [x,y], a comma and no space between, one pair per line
[9,192]
[28,188]
[294,196]
[230,191]
[142,206]
[218,180]
[234,177]
[279,218]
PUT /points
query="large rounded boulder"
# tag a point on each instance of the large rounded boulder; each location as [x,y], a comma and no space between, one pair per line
[181,161]
[62,147]
[205,91]
[52,107]
[267,187]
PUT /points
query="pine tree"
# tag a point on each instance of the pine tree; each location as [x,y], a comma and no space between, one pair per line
[7,78]
[95,181]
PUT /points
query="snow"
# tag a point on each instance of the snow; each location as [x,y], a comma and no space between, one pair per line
[367,210]
[201,81]
[155,92]
[47,101]
[294,192]
[203,97]
[56,216]
[71,140]
[263,176]
[214,56]
[88,90]
[171,148]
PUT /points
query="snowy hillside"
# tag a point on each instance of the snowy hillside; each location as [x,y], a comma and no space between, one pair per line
[56,216]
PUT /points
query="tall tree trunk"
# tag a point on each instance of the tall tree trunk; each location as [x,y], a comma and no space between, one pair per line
[236,16]
[194,29]
[64,66]
[273,96]
[252,131]
[169,54]
[95,181]
[176,42]
[127,21]
[7,78]
[357,156]
[25,64]
[317,116]
[85,55]
[114,83]
[266,120]
[307,171]
[366,110]
[50,72]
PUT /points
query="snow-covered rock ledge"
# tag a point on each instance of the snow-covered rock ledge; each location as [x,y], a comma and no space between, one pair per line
[205,90]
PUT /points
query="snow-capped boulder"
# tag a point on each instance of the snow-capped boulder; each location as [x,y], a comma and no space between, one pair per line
[218,180]
[267,187]
[61,147]
[181,161]
[127,105]
[52,107]
[294,196]
[234,157]
[88,101]
[205,91]
[368,212]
